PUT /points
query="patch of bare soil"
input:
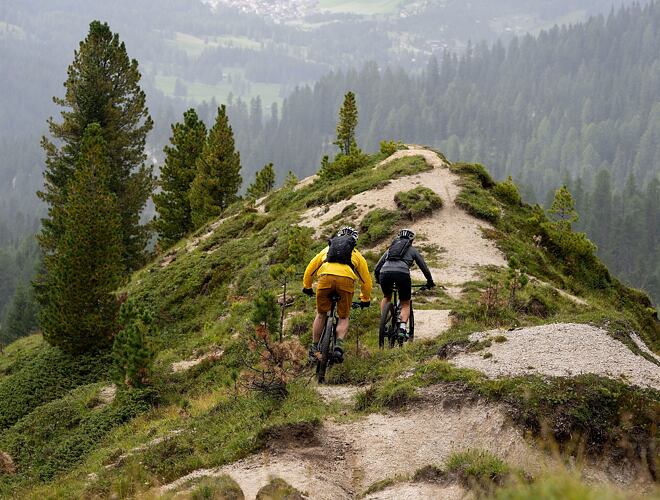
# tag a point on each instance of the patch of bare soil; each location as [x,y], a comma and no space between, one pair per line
[563,293]
[305,182]
[344,394]
[431,323]
[195,242]
[560,349]
[181,366]
[421,491]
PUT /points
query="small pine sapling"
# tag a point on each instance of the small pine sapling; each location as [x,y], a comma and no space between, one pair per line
[265,312]
[132,350]
[275,364]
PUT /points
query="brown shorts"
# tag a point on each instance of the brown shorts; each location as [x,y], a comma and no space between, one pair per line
[329,283]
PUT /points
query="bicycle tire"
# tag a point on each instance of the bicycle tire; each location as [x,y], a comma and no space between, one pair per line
[384,331]
[324,348]
[411,324]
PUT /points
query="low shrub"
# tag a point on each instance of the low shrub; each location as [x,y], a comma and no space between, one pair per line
[478,468]
[59,434]
[343,165]
[479,203]
[47,375]
[417,202]
[378,225]
[388,148]
[508,192]
[217,488]
[477,170]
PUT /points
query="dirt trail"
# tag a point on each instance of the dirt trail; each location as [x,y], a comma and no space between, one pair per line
[561,349]
[456,235]
[342,460]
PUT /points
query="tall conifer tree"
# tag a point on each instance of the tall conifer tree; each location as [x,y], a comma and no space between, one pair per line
[263,183]
[218,175]
[79,311]
[348,120]
[102,87]
[178,172]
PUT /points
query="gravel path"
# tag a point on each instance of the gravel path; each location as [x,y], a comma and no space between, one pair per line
[560,349]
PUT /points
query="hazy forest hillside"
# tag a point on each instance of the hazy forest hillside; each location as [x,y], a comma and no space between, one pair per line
[478,103]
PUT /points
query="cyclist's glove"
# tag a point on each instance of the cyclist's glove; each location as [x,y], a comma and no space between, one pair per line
[308,291]
[365,304]
[430,284]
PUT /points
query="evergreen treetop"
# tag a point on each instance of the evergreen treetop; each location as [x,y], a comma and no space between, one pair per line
[264,182]
[348,120]
[102,87]
[173,202]
[218,176]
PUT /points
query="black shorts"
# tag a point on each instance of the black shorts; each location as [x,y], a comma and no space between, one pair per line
[403,284]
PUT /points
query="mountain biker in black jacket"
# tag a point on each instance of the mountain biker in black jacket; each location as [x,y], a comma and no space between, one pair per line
[395,269]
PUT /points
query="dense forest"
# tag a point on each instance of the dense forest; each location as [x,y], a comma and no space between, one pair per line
[577,106]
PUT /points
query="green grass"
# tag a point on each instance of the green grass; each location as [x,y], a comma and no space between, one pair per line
[417,202]
[478,467]
[194,45]
[377,225]
[197,91]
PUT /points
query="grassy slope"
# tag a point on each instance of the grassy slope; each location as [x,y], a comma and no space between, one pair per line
[203,299]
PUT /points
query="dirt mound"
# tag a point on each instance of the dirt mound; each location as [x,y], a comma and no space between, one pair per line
[561,349]
[350,457]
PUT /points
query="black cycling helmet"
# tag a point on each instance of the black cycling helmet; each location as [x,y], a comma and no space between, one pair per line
[407,233]
[348,231]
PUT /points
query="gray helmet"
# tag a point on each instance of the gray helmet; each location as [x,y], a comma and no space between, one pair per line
[348,231]
[407,233]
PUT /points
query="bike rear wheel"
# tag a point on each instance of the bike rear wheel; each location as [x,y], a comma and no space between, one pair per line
[387,326]
[411,324]
[325,347]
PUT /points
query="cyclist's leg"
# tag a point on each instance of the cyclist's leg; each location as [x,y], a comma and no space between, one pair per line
[345,287]
[323,305]
[386,285]
[404,286]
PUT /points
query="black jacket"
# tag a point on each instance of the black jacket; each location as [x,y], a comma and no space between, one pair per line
[411,257]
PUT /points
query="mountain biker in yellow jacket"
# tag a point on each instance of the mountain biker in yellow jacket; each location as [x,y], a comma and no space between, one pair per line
[337,266]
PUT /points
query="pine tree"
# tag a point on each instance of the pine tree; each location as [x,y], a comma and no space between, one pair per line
[263,183]
[562,210]
[348,120]
[218,172]
[79,309]
[21,317]
[173,202]
[132,352]
[102,87]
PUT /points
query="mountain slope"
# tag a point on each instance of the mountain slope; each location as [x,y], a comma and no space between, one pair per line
[398,419]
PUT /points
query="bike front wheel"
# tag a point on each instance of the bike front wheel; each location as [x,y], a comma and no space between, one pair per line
[325,347]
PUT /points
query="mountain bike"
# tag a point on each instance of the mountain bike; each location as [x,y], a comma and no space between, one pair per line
[325,357]
[390,318]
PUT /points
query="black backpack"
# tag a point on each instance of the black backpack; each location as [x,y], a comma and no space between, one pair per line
[341,249]
[398,249]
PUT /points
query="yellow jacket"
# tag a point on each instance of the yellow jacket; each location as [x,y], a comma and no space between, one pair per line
[318,267]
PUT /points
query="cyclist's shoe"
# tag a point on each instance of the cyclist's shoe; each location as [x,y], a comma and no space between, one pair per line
[338,354]
[313,354]
[403,334]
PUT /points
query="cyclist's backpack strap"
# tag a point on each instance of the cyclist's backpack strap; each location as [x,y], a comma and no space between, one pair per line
[398,249]
[341,250]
